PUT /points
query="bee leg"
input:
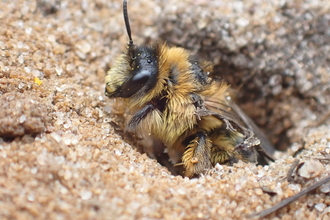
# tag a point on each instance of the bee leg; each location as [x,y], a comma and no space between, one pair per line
[139,116]
[196,157]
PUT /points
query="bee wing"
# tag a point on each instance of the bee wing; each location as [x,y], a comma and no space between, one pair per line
[266,144]
[226,109]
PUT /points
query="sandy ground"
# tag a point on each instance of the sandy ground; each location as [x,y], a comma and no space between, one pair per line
[61,159]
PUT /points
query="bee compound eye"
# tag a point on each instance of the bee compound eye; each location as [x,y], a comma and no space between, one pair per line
[135,83]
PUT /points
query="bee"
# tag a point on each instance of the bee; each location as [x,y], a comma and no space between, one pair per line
[172,98]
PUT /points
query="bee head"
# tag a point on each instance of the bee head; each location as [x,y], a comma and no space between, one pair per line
[135,70]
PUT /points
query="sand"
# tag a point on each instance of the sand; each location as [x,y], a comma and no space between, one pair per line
[61,158]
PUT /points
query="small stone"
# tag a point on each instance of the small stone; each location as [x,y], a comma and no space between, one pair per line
[311,169]
[84,47]
[320,207]
[58,71]
[30,197]
[325,188]
[20,59]
[22,119]
[85,194]
[56,137]
[118,152]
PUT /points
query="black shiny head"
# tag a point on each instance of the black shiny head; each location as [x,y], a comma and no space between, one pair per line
[143,63]
[136,71]
[144,72]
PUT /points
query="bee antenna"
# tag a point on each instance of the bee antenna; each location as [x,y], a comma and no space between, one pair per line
[128,27]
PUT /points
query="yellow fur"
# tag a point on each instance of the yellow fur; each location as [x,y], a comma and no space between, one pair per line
[179,118]
[117,74]
[171,98]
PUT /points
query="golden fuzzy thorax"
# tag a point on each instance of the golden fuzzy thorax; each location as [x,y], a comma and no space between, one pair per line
[179,113]
[200,141]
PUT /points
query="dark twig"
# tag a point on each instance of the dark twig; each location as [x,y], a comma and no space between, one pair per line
[322,120]
[292,168]
[289,200]
[327,157]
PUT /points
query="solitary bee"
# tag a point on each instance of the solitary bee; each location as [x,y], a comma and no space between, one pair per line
[173,99]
